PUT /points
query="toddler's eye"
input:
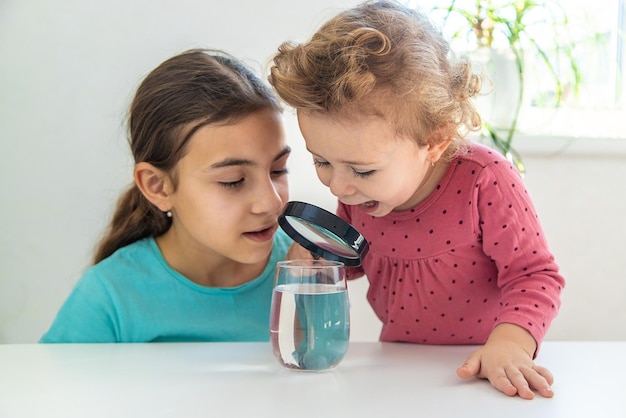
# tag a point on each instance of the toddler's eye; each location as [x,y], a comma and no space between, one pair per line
[320,163]
[363,174]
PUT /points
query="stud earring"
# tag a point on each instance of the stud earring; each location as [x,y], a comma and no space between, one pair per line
[168,213]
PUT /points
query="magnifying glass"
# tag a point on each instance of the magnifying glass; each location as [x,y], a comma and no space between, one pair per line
[323,233]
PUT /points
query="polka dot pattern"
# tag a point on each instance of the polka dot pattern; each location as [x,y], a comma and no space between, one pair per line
[470,256]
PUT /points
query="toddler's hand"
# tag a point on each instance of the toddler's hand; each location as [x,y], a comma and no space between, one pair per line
[298,252]
[508,366]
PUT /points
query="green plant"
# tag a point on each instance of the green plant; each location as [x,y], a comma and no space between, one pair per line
[523,27]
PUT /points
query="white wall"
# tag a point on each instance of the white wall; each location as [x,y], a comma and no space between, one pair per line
[579,191]
[68,69]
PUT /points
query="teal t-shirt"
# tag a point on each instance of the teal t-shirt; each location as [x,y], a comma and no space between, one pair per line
[134,296]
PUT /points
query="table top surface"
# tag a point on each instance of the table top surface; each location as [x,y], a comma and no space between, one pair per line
[244,379]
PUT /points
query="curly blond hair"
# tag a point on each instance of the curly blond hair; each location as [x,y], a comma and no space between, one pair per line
[382,58]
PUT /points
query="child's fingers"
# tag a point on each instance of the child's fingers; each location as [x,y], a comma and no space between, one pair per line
[471,367]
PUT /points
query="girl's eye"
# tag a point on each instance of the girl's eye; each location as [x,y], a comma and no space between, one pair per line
[231,184]
[278,173]
[363,174]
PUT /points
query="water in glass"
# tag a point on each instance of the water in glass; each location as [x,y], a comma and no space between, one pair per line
[310,320]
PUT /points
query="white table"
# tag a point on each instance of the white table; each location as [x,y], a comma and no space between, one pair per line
[244,380]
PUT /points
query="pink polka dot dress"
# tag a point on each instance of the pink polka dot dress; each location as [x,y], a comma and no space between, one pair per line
[470,256]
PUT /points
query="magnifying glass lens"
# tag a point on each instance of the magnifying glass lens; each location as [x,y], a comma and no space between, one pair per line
[323,233]
[321,237]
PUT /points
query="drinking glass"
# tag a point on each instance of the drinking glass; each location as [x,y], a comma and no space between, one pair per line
[310,316]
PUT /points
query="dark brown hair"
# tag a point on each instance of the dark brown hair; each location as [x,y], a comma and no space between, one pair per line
[190,90]
[385,59]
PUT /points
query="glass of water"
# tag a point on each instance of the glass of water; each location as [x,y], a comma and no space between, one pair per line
[310,317]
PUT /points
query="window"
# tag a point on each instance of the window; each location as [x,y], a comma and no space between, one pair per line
[596,32]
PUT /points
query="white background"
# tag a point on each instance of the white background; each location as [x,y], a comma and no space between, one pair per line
[68,69]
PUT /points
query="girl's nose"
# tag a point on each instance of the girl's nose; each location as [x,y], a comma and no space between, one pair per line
[268,198]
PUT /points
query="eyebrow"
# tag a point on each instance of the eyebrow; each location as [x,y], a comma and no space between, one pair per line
[229,162]
[348,162]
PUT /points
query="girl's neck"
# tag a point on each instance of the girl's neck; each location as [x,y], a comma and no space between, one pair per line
[208,268]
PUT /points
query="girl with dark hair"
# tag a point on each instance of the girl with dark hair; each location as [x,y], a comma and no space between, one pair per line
[191,250]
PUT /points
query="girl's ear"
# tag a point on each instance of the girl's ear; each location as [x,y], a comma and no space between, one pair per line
[154,184]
